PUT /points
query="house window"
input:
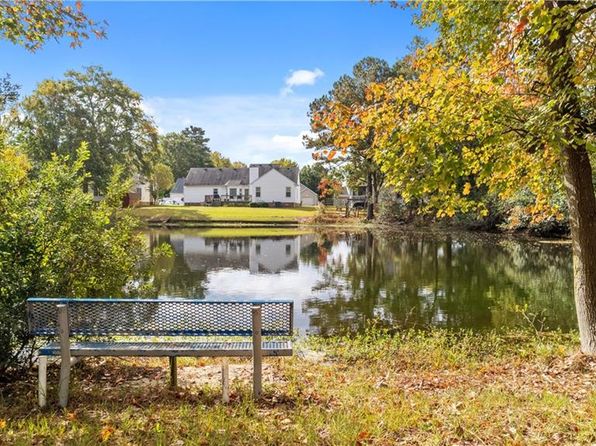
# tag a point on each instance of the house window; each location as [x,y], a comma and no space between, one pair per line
[258,248]
[288,250]
[215,191]
[288,192]
[233,192]
[258,192]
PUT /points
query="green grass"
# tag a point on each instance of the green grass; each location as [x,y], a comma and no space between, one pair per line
[223,232]
[225,214]
[411,388]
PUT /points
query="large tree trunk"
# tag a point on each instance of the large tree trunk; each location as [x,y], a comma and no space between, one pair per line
[577,171]
[582,214]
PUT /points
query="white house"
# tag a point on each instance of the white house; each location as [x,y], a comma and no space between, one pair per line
[258,183]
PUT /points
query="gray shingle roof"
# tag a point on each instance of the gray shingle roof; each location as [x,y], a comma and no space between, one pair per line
[178,187]
[215,176]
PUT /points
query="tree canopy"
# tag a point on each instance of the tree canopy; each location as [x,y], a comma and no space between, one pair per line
[219,160]
[186,149]
[93,107]
[312,174]
[32,23]
[285,162]
[335,113]
[503,101]
[162,179]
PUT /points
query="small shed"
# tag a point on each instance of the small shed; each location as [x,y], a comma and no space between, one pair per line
[308,197]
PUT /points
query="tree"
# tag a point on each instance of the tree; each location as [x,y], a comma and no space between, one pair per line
[328,188]
[218,160]
[503,100]
[92,107]
[336,112]
[186,149]
[55,241]
[32,23]
[162,179]
[285,162]
[312,174]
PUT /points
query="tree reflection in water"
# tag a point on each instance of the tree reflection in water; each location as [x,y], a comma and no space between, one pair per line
[344,279]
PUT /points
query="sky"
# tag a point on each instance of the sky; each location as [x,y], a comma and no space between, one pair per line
[245,72]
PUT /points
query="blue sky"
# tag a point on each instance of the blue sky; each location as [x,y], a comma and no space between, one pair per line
[245,72]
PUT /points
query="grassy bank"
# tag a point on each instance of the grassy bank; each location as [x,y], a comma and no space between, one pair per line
[412,388]
[224,214]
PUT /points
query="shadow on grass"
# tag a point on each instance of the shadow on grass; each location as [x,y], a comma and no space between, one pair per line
[119,384]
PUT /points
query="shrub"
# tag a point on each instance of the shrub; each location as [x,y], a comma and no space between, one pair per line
[55,241]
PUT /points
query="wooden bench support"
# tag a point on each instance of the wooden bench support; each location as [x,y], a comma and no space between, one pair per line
[64,334]
[42,373]
[257,356]
[173,372]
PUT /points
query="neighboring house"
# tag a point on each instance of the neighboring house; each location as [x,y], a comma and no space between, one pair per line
[177,192]
[140,192]
[258,183]
[308,197]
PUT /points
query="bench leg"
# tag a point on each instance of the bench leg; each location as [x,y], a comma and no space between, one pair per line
[64,332]
[42,373]
[225,381]
[257,352]
[173,372]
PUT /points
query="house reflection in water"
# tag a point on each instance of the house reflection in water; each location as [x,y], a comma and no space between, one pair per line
[268,255]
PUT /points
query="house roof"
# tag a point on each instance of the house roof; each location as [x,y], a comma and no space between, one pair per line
[178,187]
[304,189]
[213,176]
[289,172]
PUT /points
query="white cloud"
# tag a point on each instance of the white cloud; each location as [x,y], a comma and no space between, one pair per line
[248,128]
[301,77]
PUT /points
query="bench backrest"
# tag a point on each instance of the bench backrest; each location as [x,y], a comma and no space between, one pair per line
[159,317]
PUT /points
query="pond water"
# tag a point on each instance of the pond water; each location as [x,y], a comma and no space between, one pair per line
[340,280]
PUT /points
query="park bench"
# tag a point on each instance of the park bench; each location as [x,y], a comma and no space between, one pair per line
[113,318]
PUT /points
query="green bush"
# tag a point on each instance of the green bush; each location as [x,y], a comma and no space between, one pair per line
[55,241]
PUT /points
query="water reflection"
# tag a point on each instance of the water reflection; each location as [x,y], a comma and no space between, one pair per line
[340,280]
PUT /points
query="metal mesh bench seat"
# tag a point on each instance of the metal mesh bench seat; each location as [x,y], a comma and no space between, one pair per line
[63,318]
[206,348]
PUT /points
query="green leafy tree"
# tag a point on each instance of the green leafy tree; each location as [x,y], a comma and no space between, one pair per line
[312,174]
[348,95]
[162,179]
[545,54]
[219,160]
[285,162]
[504,100]
[32,23]
[55,241]
[93,107]
[186,149]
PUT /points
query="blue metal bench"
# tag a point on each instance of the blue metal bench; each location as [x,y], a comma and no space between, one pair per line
[161,318]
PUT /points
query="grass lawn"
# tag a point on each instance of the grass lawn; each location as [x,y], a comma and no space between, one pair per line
[226,214]
[225,232]
[412,388]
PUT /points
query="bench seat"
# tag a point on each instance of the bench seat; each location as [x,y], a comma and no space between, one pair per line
[172,349]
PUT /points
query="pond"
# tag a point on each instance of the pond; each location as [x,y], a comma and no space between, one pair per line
[341,280]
